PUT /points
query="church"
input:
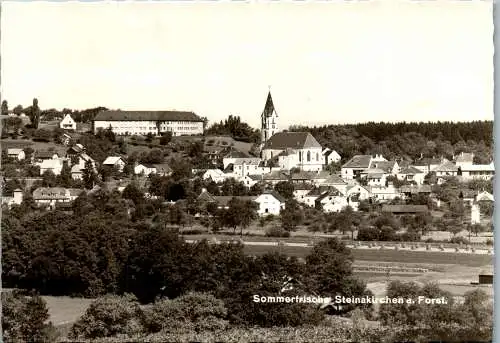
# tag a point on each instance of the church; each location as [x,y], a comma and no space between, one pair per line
[288,150]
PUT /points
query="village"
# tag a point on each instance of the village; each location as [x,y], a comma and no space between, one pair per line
[282,158]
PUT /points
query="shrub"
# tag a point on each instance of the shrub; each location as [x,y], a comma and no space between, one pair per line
[193,311]
[24,319]
[277,231]
[109,316]
[489,242]
[193,232]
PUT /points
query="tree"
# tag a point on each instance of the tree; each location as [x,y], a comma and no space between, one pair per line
[292,215]
[34,114]
[334,168]
[5,108]
[17,110]
[24,319]
[166,137]
[285,189]
[88,175]
[239,213]
[133,193]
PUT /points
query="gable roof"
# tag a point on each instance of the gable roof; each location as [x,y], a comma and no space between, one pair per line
[45,154]
[416,189]
[14,151]
[112,160]
[386,166]
[50,193]
[147,116]
[275,194]
[293,140]
[206,196]
[51,164]
[335,180]
[484,196]
[446,167]
[465,157]
[237,154]
[223,200]
[358,161]
[276,175]
[411,171]
[162,168]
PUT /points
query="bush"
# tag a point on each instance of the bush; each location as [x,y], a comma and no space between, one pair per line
[24,319]
[489,242]
[192,232]
[193,311]
[277,231]
[109,316]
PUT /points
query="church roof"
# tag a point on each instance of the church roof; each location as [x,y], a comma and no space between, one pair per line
[269,107]
[294,140]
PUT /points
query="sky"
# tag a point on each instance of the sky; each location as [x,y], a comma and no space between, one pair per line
[324,62]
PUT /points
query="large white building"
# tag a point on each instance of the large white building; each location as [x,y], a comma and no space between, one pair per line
[149,122]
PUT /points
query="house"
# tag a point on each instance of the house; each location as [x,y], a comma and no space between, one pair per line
[75,150]
[426,164]
[409,190]
[223,201]
[355,193]
[353,168]
[330,156]
[149,122]
[467,195]
[55,166]
[335,181]
[270,202]
[405,209]
[464,159]
[233,156]
[310,198]
[298,150]
[331,201]
[243,167]
[388,167]
[300,191]
[476,172]
[17,154]
[250,180]
[114,162]
[485,196]
[15,199]
[68,123]
[77,172]
[411,174]
[216,175]
[50,196]
[275,176]
[144,169]
[374,177]
[45,155]
[446,169]
[163,169]
[384,194]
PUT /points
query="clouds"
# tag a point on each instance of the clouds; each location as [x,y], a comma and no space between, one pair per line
[326,62]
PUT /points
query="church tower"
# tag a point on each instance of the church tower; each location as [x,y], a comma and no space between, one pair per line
[269,120]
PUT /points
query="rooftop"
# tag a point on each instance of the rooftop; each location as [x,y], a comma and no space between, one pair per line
[147,116]
[293,140]
[358,161]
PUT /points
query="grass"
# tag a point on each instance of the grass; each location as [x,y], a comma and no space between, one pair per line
[37,146]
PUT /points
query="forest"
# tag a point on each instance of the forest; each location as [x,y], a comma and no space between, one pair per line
[407,140]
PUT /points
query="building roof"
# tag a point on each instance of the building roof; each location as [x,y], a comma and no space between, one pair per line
[293,140]
[45,154]
[427,161]
[75,192]
[276,175]
[112,160]
[252,161]
[405,208]
[464,157]
[386,166]
[269,107]
[77,168]
[162,168]
[416,189]
[485,196]
[237,154]
[147,116]
[50,193]
[332,192]
[206,197]
[51,164]
[467,194]
[223,200]
[446,167]
[275,194]
[334,180]
[318,191]
[410,170]
[479,167]
[229,168]
[14,151]
[358,161]
[375,175]
[372,171]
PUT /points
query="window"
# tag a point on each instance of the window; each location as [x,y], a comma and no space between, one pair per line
[317,156]
[300,156]
[308,156]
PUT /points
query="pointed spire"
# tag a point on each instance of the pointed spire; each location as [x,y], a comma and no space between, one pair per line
[269,108]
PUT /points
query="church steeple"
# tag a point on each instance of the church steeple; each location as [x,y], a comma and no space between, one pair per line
[269,120]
